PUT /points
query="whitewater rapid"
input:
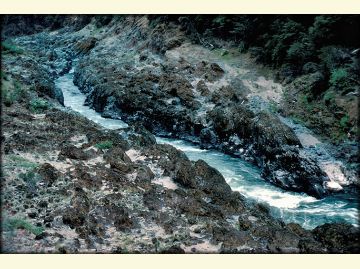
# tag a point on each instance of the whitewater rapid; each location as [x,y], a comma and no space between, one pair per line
[240,175]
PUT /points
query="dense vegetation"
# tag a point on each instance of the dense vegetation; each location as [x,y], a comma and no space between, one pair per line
[294,43]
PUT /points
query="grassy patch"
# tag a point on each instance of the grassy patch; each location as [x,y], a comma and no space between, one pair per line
[337,76]
[329,97]
[11,92]
[3,75]
[225,55]
[31,179]
[344,122]
[107,144]
[38,105]
[14,161]
[11,224]
[7,47]
[304,101]
[17,161]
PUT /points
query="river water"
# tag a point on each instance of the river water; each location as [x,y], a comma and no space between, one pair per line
[240,175]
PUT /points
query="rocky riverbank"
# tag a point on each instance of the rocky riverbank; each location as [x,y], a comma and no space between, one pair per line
[71,186]
[180,92]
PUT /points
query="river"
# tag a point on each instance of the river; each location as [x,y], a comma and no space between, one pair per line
[240,175]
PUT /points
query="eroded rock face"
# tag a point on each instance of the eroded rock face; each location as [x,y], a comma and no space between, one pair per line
[231,237]
[210,180]
[185,174]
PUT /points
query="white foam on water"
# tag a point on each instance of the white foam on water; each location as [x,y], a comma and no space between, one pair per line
[179,145]
[276,198]
[290,206]
[74,99]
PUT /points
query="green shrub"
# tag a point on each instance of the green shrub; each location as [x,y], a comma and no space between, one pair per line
[104,145]
[300,52]
[38,105]
[285,34]
[345,121]
[11,93]
[322,29]
[305,101]
[219,20]
[242,47]
[11,224]
[329,97]
[339,77]
[7,96]
[7,47]
[31,179]
[331,56]
[338,137]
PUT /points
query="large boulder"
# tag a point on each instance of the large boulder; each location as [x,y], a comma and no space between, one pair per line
[269,131]
[211,180]
[48,173]
[185,174]
[273,145]
[76,214]
[226,94]
[73,152]
[209,71]
[290,171]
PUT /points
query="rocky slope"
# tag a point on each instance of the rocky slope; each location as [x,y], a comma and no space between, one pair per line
[71,186]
